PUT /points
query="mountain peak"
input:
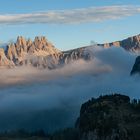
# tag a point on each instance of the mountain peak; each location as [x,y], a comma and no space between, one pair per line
[40,53]
[4,61]
[130,44]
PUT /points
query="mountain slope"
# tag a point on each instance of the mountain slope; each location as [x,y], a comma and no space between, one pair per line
[131,44]
[41,53]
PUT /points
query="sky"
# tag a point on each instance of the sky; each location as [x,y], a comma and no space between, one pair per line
[69,23]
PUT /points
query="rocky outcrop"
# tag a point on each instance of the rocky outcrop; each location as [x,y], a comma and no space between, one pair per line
[76,54]
[28,52]
[130,44]
[136,67]
[4,62]
[108,45]
[42,54]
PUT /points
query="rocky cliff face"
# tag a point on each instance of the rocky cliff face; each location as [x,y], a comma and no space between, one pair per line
[39,53]
[136,67]
[130,44]
[72,55]
[28,52]
[4,61]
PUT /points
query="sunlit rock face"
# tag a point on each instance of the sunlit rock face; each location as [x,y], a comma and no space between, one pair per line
[30,52]
[41,53]
[131,44]
[4,61]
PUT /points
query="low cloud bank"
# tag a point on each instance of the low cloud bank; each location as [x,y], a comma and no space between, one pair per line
[51,99]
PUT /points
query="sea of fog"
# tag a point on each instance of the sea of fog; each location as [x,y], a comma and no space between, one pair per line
[40,99]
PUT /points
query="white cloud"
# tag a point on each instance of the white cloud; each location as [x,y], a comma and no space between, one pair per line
[73,16]
[56,95]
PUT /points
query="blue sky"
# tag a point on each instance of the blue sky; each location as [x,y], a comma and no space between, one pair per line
[66,26]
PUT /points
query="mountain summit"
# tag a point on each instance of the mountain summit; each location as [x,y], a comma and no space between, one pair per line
[43,54]
[4,61]
[130,44]
[38,53]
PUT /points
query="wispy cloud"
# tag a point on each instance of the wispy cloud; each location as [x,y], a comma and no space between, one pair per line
[73,16]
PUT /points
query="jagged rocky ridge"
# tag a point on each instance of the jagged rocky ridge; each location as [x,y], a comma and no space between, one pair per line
[42,54]
[131,44]
[39,53]
[4,61]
